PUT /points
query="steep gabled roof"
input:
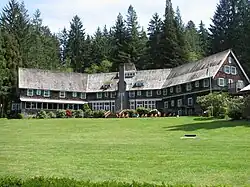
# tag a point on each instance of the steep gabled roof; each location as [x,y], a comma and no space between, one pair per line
[52,80]
[205,68]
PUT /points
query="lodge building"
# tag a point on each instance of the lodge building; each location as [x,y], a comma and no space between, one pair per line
[172,90]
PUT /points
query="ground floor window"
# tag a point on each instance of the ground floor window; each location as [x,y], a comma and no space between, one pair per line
[104,106]
[149,104]
[52,106]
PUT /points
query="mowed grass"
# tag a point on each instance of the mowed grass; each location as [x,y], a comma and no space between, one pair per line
[144,150]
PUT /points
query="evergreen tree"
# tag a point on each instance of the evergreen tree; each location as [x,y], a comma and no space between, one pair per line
[63,38]
[204,39]
[76,43]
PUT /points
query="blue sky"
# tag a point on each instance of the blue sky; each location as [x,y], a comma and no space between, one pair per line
[58,13]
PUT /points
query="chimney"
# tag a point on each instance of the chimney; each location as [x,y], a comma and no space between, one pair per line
[121,83]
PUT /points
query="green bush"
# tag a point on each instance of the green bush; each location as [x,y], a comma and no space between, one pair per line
[235,108]
[20,116]
[98,114]
[246,108]
[41,114]
[61,114]
[88,113]
[86,107]
[154,111]
[130,112]
[51,114]
[142,111]
[78,113]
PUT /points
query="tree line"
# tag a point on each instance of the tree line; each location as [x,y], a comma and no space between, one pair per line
[167,42]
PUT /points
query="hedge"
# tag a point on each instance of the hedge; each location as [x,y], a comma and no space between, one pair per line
[66,182]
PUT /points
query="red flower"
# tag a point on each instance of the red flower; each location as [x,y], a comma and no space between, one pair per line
[69,113]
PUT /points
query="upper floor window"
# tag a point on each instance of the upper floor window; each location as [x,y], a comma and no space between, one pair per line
[233,70]
[205,83]
[189,86]
[38,92]
[197,84]
[227,69]
[240,84]
[172,103]
[179,102]
[62,94]
[190,101]
[178,88]
[132,94]
[149,93]
[74,94]
[221,82]
[99,95]
[165,91]
[106,94]
[30,92]
[230,60]
[166,104]
[46,93]
[158,92]
[113,94]
[230,81]
[83,95]
[171,90]
[139,93]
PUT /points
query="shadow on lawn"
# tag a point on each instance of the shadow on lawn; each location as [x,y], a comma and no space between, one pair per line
[208,125]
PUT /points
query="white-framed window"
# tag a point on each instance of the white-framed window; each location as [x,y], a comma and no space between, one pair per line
[179,102]
[172,103]
[166,104]
[74,94]
[83,95]
[38,92]
[106,94]
[158,92]
[227,69]
[178,88]
[139,104]
[15,106]
[188,86]
[132,105]
[197,84]
[46,93]
[139,93]
[206,83]
[240,84]
[171,90]
[113,94]
[230,59]
[30,92]
[190,101]
[149,104]
[221,81]
[149,93]
[62,94]
[165,91]
[98,106]
[99,95]
[132,94]
[233,70]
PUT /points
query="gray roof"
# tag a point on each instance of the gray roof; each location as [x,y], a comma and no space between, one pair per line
[152,79]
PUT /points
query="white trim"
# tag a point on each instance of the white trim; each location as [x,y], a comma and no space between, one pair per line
[247,88]
[30,93]
[229,69]
[62,94]
[74,94]
[149,93]
[83,94]
[188,93]
[46,95]
[232,67]
[219,82]
[156,99]
[38,92]
[101,101]
[222,62]
[51,101]
[99,95]
[241,68]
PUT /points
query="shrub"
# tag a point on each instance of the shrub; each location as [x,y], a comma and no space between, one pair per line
[154,111]
[51,114]
[88,113]
[142,111]
[78,113]
[41,114]
[98,114]
[246,108]
[20,116]
[235,108]
[86,107]
[60,113]
[130,112]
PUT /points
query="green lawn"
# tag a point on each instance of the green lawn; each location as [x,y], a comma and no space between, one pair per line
[144,150]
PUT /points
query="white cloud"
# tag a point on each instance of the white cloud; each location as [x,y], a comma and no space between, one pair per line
[58,13]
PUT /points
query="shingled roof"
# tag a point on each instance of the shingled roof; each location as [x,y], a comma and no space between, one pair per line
[151,79]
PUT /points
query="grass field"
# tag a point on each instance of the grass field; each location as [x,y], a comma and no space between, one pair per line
[144,150]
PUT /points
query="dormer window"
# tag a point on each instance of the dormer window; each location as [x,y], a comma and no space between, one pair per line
[189,86]
[38,92]
[62,94]
[30,92]
[178,88]
[46,93]
[149,93]
[139,84]
[83,95]
[106,94]
[129,74]
[74,94]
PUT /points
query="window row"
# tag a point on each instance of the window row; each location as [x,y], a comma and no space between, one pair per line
[52,106]
[45,93]
[103,106]
[227,82]
[178,103]
[230,70]
[146,104]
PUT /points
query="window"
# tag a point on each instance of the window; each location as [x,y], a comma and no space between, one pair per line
[132,105]
[29,92]
[74,94]
[99,95]
[221,82]
[230,60]
[38,92]
[178,88]
[171,90]
[172,103]
[131,94]
[233,70]
[189,86]
[106,94]
[227,69]
[138,93]
[205,83]
[139,104]
[240,84]
[107,106]
[230,81]
[158,92]
[62,94]
[97,106]
[166,104]
[139,84]
[179,102]
[165,91]
[190,101]
[113,94]
[197,84]
[149,104]
[149,93]
[83,95]
[15,106]
[46,93]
